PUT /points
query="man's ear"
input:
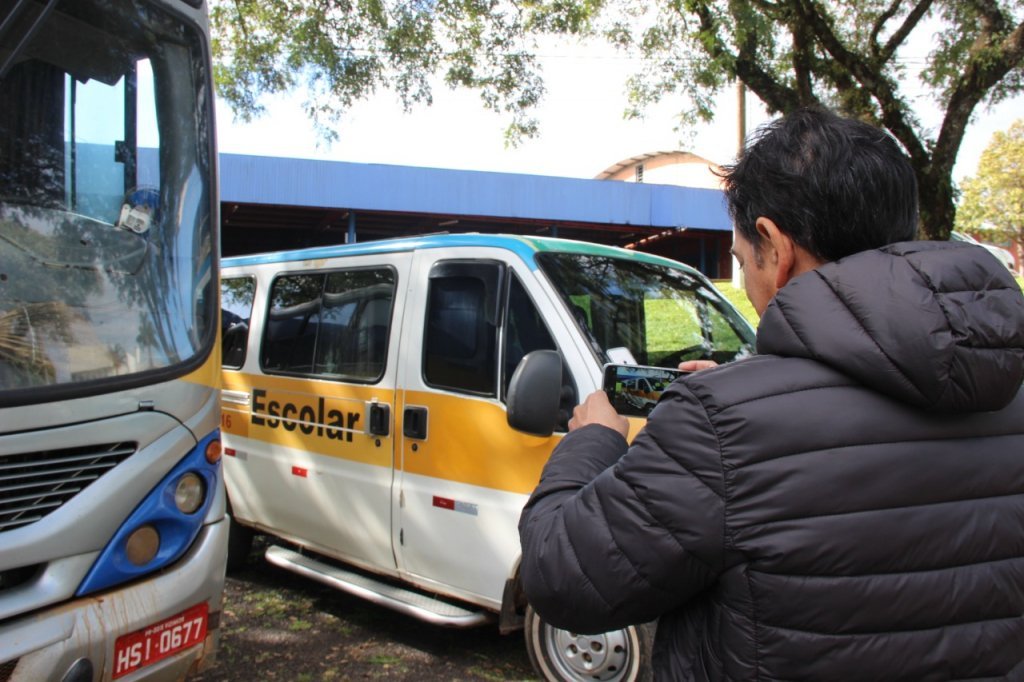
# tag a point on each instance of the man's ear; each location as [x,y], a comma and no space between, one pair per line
[780,251]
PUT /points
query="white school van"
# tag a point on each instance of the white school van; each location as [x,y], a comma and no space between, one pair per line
[388,408]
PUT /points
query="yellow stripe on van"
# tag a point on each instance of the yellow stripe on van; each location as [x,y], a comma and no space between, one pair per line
[470,441]
[320,417]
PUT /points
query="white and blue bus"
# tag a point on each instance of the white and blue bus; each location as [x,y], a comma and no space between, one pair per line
[112,527]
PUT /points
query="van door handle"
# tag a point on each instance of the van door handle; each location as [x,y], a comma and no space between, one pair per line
[414,423]
[380,419]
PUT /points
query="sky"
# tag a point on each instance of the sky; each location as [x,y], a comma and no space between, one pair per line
[582,129]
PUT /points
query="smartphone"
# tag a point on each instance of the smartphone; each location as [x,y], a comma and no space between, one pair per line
[634,389]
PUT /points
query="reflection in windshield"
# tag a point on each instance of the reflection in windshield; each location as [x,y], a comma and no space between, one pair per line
[636,312]
[106,252]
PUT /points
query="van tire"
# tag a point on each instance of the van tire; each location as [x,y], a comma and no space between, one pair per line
[239,544]
[617,656]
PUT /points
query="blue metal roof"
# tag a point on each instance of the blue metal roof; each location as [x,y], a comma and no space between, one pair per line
[379,187]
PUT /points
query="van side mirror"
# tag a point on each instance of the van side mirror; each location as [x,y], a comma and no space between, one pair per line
[534,393]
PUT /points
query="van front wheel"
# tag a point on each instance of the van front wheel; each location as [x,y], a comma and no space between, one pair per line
[564,656]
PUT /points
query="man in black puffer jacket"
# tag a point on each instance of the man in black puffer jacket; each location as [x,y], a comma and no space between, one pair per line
[849,503]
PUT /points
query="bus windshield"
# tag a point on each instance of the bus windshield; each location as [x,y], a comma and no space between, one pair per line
[640,312]
[105,196]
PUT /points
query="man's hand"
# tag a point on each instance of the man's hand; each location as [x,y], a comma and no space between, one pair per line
[695,365]
[596,409]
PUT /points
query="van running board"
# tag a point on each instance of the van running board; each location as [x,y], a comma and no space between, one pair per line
[419,605]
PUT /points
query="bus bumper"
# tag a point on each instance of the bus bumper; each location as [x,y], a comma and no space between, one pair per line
[77,641]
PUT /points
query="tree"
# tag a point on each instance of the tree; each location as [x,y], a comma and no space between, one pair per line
[993,200]
[855,57]
[344,50]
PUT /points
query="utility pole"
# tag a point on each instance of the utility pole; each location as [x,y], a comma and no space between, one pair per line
[741,117]
[741,137]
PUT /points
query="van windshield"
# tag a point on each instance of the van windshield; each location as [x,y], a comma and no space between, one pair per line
[644,313]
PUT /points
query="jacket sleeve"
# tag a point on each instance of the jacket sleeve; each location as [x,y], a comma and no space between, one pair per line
[616,535]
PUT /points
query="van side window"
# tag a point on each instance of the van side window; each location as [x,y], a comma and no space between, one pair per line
[290,334]
[355,321]
[525,331]
[331,325]
[236,297]
[460,344]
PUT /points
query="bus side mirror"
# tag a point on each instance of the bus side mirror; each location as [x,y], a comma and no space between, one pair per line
[534,393]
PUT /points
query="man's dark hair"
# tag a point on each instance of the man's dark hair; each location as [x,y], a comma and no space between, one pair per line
[835,185]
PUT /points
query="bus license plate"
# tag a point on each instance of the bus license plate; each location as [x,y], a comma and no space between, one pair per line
[160,640]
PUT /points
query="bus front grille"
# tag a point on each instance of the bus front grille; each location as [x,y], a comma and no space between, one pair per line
[33,484]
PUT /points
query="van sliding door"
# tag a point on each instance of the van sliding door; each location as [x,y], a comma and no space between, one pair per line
[315,464]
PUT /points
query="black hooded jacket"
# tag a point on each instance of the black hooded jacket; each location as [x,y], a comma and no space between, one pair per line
[846,505]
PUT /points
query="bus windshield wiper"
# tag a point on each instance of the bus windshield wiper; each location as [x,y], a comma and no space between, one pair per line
[17,16]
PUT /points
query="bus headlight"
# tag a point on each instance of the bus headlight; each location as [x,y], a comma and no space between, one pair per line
[164,524]
[189,493]
[142,545]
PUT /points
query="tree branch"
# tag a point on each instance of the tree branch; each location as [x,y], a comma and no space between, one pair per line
[880,24]
[993,18]
[240,16]
[869,77]
[776,96]
[983,71]
[803,44]
[897,38]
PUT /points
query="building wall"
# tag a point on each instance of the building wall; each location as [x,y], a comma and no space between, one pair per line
[682,169]
[706,250]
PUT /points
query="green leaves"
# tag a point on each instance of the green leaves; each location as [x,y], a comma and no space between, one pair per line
[992,205]
[341,51]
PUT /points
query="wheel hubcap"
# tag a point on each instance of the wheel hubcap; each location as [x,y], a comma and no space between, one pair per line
[589,657]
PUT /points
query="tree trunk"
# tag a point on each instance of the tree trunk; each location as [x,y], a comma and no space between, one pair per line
[938,210]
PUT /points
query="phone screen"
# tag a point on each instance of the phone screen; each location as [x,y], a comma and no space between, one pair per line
[634,389]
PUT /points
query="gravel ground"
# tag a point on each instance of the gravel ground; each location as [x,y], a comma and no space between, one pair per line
[279,626]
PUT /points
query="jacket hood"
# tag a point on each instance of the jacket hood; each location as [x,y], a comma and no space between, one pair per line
[938,325]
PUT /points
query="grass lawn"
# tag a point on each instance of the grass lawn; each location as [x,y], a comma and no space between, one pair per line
[738,298]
